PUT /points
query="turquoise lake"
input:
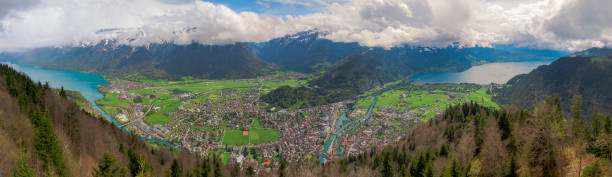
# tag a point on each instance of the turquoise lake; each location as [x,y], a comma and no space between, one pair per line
[71,80]
[498,73]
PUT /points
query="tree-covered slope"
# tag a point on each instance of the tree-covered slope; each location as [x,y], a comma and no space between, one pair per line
[594,52]
[472,140]
[588,77]
[42,133]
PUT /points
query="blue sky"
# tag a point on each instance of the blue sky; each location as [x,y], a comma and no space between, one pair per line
[270,7]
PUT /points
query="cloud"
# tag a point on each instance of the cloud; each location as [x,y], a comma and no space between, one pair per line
[291,2]
[390,23]
[554,24]
[308,3]
[583,23]
[262,3]
[7,6]
[136,22]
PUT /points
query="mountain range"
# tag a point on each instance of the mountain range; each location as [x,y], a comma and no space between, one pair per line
[374,66]
[156,61]
[348,69]
[307,51]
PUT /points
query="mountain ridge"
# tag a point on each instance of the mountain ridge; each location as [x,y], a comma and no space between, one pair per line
[585,76]
[156,61]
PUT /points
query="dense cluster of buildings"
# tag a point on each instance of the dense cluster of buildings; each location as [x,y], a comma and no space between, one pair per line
[200,125]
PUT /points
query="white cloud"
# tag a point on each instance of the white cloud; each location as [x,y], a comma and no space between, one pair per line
[557,24]
[66,22]
[8,6]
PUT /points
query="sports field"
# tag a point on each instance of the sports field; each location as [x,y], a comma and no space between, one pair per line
[256,134]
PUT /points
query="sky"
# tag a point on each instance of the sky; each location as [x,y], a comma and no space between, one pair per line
[273,7]
[543,24]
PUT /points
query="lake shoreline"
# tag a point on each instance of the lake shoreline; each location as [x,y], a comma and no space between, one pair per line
[496,72]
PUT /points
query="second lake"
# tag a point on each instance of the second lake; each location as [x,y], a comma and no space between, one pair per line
[498,73]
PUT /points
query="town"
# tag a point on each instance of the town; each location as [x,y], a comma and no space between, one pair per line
[227,118]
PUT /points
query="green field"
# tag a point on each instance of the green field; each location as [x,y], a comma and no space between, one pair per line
[292,83]
[157,118]
[256,124]
[226,157]
[257,135]
[142,91]
[112,99]
[395,123]
[235,137]
[110,110]
[261,136]
[162,116]
[426,99]
[481,97]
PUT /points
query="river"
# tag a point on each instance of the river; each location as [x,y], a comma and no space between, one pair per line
[498,73]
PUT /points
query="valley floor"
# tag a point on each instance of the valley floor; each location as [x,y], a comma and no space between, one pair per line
[226,117]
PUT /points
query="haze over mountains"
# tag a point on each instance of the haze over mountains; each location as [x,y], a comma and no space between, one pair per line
[153,61]
[303,52]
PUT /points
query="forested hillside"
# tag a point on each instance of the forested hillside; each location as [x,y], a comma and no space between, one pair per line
[42,133]
[594,52]
[471,140]
[586,77]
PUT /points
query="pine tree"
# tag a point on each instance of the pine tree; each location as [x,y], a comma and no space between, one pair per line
[175,169]
[455,169]
[205,168]
[107,167]
[577,123]
[386,167]
[250,171]
[478,132]
[504,124]
[217,170]
[443,150]
[23,169]
[429,169]
[46,143]
[281,169]
[62,92]
[418,166]
[138,164]
[607,125]
[404,172]
[514,167]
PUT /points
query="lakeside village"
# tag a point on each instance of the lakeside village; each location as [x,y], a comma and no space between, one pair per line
[228,119]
